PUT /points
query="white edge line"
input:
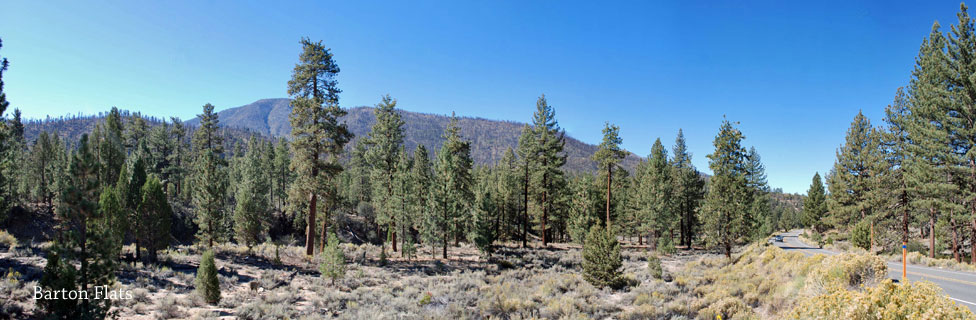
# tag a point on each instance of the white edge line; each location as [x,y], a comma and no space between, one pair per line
[960,300]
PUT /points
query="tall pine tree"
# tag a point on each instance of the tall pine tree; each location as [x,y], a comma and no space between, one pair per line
[318,135]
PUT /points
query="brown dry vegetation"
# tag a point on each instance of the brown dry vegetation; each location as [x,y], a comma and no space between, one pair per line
[761,282]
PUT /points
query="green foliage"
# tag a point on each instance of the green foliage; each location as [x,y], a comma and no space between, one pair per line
[548,159]
[725,214]
[451,193]
[688,190]
[318,136]
[333,260]
[852,182]
[156,218]
[608,155]
[654,266]
[665,245]
[482,232]
[601,258]
[861,235]
[210,179]
[59,275]
[207,284]
[815,204]
[252,212]
[87,240]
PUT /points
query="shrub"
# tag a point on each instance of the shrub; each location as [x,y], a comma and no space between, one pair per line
[861,235]
[7,239]
[601,258]
[207,284]
[848,270]
[912,300]
[665,245]
[333,260]
[654,267]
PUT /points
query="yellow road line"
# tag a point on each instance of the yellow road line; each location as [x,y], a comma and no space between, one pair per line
[943,278]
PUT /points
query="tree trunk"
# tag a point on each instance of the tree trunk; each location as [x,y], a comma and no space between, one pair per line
[393,234]
[545,212]
[955,239]
[640,239]
[931,232]
[310,226]
[525,208]
[972,243]
[609,180]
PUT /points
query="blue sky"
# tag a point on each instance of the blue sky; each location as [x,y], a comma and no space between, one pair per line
[793,74]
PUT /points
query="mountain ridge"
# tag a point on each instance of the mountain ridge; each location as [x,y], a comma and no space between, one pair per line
[489,138]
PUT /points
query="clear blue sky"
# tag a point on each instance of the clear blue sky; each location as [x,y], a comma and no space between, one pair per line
[793,74]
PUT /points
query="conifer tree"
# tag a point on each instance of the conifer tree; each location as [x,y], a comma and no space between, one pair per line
[178,158]
[5,196]
[895,140]
[760,210]
[451,194]
[601,258]
[210,178]
[962,51]
[852,181]
[585,208]
[43,165]
[333,260]
[527,162]
[653,193]
[383,150]
[607,157]
[509,196]
[86,241]
[815,204]
[318,137]
[252,210]
[155,218]
[130,184]
[404,198]
[111,150]
[688,189]
[727,201]
[207,284]
[930,128]
[549,157]
[482,233]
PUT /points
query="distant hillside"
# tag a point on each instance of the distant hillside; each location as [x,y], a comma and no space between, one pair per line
[489,138]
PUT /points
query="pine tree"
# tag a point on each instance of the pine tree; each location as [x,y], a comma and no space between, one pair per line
[333,260]
[652,192]
[177,159]
[5,194]
[549,158]
[86,240]
[852,183]
[404,198]
[207,284]
[318,135]
[895,140]
[601,258]
[111,149]
[210,178]
[688,190]
[251,212]
[929,127]
[383,150]
[451,193]
[962,51]
[130,184]
[607,156]
[526,153]
[760,209]
[155,218]
[509,196]
[43,165]
[584,209]
[482,233]
[815,205]
[727,201]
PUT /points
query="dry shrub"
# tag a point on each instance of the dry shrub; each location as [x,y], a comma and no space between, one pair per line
[915,300]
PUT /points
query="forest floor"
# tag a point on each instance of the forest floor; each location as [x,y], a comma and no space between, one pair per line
[760,281]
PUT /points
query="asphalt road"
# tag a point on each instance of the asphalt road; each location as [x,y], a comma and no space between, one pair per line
[958,285]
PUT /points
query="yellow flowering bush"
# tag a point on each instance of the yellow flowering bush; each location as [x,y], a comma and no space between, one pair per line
[887,300]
